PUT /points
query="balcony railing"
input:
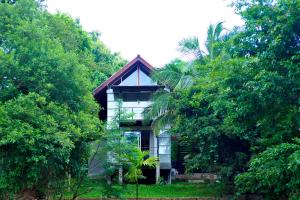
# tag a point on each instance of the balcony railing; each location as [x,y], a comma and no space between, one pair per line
[134,113]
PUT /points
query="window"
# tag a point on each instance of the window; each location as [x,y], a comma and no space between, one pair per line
[131,80]
[164,145]
[136,78]
[133,138]
[145,79]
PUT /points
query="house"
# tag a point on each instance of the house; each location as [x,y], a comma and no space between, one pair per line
[133,85]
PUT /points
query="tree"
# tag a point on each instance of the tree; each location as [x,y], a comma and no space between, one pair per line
[267,107]
[214,37]
[48,114]
[138,159]
[242,110]
[276,169]
[178,75]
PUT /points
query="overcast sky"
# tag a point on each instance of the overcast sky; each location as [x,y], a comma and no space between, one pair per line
[151,28]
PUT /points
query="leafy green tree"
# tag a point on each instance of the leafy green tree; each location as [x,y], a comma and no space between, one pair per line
[276,169]
[266,110]
[199,125]
[48,114]
[247,104]
[115,145]
[178,75]
[39,143]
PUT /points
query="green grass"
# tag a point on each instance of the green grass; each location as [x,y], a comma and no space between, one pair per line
[152,191]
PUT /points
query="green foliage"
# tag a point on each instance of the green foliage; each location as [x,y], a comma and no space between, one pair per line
[176,76]
[40,142]
[240,115]
[49,67]
[136,160]
[215,35]
[274,173]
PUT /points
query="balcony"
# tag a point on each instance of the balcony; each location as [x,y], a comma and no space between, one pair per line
[134,110]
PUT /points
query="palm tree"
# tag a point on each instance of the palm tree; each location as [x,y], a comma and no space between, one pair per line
[190,46]
[137,160]
[214,36]
[176,76]
[179,75]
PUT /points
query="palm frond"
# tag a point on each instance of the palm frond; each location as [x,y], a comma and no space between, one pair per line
[150,162]
[161,103]
[218,30]
[136,161]
[177,75]
[190,46]
[170,74]
[213,36]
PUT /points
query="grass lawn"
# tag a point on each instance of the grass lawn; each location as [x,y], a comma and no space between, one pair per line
[163,191]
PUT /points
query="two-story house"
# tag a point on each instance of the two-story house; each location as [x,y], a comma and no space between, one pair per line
[133,85]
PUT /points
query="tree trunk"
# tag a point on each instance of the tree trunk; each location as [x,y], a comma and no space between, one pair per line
[137,190]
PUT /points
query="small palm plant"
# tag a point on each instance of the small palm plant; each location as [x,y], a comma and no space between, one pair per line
[137,160]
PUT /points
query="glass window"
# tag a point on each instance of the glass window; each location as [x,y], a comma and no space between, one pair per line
[164,145]
[131,80]
[145,79]
[164,141]
[133,137]
[164,149]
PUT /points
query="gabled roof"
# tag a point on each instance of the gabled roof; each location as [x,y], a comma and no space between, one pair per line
[121,72]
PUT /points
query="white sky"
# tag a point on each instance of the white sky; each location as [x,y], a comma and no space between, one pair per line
[151,28]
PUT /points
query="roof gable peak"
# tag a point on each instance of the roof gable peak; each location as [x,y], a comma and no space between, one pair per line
[122,71]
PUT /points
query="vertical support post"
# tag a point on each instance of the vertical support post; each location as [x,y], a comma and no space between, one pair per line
[157,173]
[120,175]
[108,180]
[138,78]
[120,164]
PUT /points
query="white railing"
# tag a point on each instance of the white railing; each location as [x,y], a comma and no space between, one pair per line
[134,113]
